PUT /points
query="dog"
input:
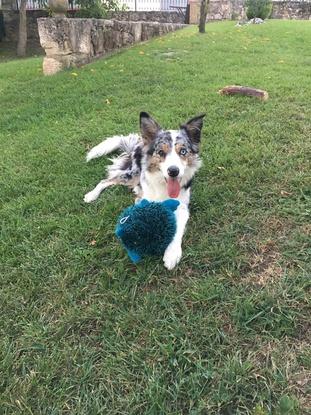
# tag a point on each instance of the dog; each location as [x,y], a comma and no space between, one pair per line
[157,165]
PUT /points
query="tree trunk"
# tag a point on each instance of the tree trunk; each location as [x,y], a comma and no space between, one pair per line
[203,14]
[22,30]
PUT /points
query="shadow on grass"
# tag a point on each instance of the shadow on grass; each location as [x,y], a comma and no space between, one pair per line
[8,50]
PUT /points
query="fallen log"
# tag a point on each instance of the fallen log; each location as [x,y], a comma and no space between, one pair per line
[244,90]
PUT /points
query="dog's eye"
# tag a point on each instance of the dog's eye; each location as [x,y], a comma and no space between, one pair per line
[161,153]
[183,152]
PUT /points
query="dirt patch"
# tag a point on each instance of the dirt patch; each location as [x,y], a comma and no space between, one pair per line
[264,265]
[264,262]
[228,326]
[304,331]
[273,354]
[276,227]
[300,386]
[306,229]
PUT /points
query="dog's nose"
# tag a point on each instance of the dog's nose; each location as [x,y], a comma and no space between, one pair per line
[173,171]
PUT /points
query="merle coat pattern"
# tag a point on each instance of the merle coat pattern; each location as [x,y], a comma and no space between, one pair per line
[157,165]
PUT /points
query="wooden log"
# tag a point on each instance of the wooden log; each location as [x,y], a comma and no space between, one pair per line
[244,90]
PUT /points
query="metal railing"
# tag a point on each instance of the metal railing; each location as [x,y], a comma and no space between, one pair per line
[151,5]
[41,4]
[139,5]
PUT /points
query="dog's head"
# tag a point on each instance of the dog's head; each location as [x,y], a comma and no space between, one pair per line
[172,155]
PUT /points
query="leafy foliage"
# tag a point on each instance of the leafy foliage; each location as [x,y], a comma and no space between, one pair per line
[258,8]
[96,8]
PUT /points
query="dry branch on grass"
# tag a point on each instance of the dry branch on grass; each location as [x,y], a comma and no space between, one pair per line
[244,90]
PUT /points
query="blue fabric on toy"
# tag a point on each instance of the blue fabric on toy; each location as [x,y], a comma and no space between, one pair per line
[147,228]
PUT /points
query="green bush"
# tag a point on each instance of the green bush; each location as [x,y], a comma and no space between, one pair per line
[96,8]
[258,8]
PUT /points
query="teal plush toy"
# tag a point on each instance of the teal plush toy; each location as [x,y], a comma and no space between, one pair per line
[147,228]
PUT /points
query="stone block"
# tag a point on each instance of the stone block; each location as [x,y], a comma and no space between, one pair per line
[73,42]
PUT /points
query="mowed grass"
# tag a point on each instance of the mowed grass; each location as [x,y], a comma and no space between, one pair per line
[83,331]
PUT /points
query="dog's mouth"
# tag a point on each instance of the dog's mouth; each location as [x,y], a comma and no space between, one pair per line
[173,187]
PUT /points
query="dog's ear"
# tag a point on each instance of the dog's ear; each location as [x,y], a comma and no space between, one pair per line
[149,127]
[193,128]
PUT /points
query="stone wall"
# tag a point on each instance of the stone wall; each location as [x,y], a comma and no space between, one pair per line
[235,10]
[148,16]
[73,42]
[218,10]
[11,22]
[291,10]
[226,10]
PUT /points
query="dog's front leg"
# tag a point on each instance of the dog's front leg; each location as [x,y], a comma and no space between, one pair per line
[94,194]
[173,252]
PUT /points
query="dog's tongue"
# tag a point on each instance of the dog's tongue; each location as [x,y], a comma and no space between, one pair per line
[173,187]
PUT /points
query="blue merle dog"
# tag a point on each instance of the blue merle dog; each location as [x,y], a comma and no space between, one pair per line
[157,164]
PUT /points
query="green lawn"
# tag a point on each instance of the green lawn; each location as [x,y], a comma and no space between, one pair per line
[82,330]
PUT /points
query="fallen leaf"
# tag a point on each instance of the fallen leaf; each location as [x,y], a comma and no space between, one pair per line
[141,52]
[74,74]
[107,101]
[93,242]
[285,194]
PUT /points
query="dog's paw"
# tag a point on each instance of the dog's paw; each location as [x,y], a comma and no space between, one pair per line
[172,255]
[90,197]
[91,155]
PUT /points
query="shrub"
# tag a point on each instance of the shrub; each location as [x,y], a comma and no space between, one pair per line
[96,8]
[258,8]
